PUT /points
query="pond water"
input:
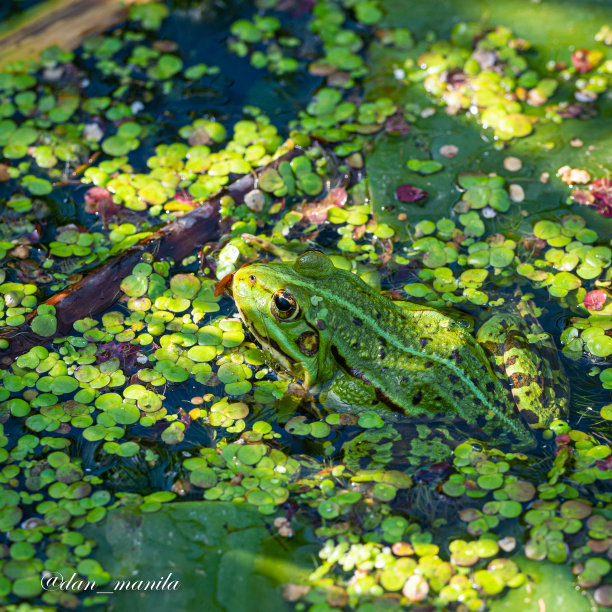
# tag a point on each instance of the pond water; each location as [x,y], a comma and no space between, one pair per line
[456,155]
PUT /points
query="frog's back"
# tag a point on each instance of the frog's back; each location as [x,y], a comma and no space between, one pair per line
[419,360]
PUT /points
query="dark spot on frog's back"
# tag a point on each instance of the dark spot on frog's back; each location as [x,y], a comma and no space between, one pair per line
[417,397]
[454,379]
[423,342]
[354,372]
[511,360]
[357,321]
[530,416]
[308,343]
[490,347]
[481,420]
[516,340]
[320,323]
[456,356]
[519,379]
[490,386]
[381,349]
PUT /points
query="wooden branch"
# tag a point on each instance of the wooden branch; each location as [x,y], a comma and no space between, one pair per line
[100,289]
[60,22]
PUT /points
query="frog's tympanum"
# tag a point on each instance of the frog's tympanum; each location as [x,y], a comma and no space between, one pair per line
[363,351]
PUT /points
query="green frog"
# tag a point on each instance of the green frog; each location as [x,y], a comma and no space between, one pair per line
[361,350]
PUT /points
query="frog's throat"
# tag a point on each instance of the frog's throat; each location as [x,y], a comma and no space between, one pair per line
[392,339]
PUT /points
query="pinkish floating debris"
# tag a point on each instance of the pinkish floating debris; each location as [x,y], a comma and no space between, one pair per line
[410,193]
[99,201]
[573,175]
[602,192]
[599,196]
[585,60]
[397,124]
[127,353]
[184,198]
[316,212]
[595,300]
[449,151]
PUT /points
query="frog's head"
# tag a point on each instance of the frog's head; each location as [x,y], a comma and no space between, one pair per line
[279,304]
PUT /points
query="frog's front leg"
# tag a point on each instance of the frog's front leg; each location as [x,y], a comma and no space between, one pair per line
[344,393]
[527,359]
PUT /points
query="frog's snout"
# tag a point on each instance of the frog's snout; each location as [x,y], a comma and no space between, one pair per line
[232,282]
[243,282]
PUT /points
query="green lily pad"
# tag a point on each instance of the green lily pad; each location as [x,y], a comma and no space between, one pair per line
[135,285]
[427,166]
[44,324]
[271,181]
[118,146]
[251,454]
[185,285]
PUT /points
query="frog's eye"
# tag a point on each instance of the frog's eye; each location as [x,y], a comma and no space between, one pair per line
[284,306]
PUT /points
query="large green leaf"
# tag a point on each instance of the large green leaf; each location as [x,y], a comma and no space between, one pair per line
[550,587]
[223,555]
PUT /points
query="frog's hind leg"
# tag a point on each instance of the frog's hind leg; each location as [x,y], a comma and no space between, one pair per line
[556,384]
[526,357]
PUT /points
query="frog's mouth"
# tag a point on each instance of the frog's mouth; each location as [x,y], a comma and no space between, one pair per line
[270,345]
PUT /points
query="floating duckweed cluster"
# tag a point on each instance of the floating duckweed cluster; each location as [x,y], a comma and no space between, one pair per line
[487,72]
[17,300]
[264,30]
[399,559]
[194,169]
[490,75]
[341,62]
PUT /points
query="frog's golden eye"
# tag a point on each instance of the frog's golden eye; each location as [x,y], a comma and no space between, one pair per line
[284,306]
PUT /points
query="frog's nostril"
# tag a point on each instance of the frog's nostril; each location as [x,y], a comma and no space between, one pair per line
[253,279]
